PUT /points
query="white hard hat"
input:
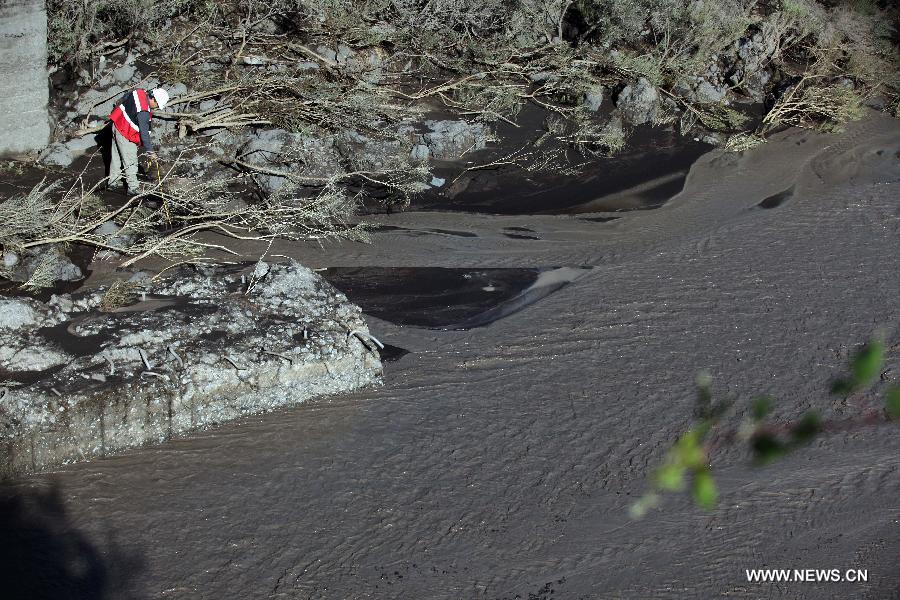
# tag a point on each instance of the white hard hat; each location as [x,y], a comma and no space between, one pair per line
[161,96]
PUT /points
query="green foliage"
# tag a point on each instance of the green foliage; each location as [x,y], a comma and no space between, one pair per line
[741,142]
[762,406]
[864,367]
[665,39]
[704,491]
[688,458]
[892,404]
[812,103]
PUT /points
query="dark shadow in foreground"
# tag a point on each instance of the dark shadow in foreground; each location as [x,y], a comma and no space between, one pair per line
[43,556]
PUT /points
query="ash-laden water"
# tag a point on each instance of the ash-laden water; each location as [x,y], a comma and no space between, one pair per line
[500,462]
[442,298]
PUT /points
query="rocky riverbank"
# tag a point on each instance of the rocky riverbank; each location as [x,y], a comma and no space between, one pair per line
[96,372]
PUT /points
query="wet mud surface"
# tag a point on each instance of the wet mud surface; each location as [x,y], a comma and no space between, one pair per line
[776,200]
[644,176]
[500,462]
[442,298]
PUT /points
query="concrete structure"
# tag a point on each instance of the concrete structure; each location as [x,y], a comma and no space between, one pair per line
[24,123]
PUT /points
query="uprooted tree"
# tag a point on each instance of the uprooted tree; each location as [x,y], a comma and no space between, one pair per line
[361,74]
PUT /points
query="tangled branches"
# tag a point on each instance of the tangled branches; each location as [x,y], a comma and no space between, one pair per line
[165,220]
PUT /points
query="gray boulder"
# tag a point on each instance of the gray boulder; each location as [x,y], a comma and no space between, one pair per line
[364,152]
[327,53]
[79,145]
[449,140]
[177,89]
[593,98]
[708,93]
[344,53]
[124,73]
[99,102]
[638,102]
[16,313]
[419,153]
[57,155]
[749,62]
[54,266]
[294,153]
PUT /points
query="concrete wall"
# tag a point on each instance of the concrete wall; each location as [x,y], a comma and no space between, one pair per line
[24,87]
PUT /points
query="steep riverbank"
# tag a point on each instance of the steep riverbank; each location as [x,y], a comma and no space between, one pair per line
[500,462]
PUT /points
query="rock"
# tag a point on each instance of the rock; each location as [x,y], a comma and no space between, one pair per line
[614,129]
[707,93]
[449,140]
[307,66]
[291,152]
[344,53]
[368,153]
[383,31]
[327,53]
[177,89]
[437,181]
[366,64]
[713,139]
[749,62]
[141,278]
[68,271]
[99,102]
[207,105]
[107,228]
[80,145]
[57,155]
[16,313]
[542,76]
[419,153]
[593,98]
[638,102]
[261,269]
[212,355]
[107,81]
[124,73]
[10,260]
[54,264]
[62,302]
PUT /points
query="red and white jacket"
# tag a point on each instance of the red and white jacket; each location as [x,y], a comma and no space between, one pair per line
[124,116]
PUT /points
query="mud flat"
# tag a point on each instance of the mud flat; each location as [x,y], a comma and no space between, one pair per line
[88,378]
[500,462]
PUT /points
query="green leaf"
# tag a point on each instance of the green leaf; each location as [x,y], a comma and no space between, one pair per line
[767,449]
[892,403]
[762,406]
[704,490]
[842,387]
[670,477]
[807,428]
[688,449]
[643,505]
[867,363]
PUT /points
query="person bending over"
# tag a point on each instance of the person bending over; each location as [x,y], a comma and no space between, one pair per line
[130,129]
